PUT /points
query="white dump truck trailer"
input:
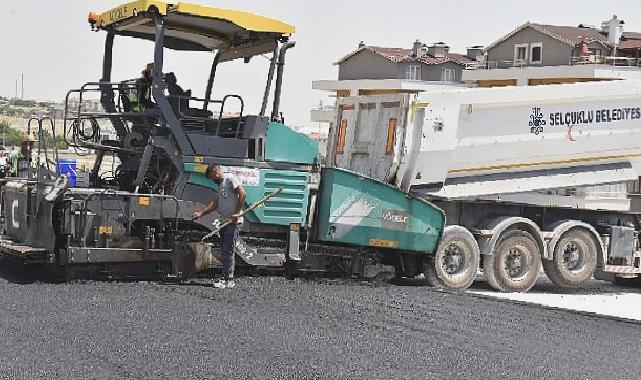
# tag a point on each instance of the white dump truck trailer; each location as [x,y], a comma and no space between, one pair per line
[527,176]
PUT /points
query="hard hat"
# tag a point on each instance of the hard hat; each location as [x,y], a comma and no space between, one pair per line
[28,138]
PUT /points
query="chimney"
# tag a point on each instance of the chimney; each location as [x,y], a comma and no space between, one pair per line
[613,28]
[417,48]
[438,50]
[475,52]
[584,50]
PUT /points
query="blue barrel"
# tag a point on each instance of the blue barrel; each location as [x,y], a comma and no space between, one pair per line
[67,166]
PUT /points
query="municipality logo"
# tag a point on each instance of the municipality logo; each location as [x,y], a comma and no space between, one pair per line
[536,121]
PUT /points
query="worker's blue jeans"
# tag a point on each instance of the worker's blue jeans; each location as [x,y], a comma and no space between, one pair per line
[228,237]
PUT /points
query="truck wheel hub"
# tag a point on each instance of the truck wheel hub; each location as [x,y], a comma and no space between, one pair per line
[452,259]
[571,256]
[515,263]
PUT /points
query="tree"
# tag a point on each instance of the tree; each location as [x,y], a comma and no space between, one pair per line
[14,137]
[11,135]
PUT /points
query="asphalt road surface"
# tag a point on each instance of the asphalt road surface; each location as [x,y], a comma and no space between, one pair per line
[275,328]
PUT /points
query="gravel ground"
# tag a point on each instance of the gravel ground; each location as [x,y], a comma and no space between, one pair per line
[274,328]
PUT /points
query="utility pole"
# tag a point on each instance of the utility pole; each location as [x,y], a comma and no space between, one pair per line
[22,94]
[16,94]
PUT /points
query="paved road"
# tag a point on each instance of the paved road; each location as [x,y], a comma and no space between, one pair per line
[296,329]
[596,297]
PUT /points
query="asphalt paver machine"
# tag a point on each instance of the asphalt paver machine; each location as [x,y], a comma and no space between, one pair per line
[131,216]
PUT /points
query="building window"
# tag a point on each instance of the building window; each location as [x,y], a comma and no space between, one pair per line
[448,75]
[413,72]
[536,53]
[595,52]
[520,53]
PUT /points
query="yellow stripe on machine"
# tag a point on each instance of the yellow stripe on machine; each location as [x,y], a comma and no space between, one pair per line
[245,20]
[248,21]
[200,168]
[107,230]
[129,10]
[383,243]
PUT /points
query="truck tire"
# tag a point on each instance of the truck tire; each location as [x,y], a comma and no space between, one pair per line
[574,259]
[515,263]
[456,260]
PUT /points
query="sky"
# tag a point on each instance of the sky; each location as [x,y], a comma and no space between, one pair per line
[50,42]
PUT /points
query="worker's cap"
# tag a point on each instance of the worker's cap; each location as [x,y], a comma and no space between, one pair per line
[28,138]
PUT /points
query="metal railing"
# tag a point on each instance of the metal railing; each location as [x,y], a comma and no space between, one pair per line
[324,108]
[610,61]
[587,60]
[82,130]
[490,65]
[187,114]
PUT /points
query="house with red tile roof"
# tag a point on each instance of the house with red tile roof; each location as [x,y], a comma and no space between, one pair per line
[533,44]
[418,63]
[630,45]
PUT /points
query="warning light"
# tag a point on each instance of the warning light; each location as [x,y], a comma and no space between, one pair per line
[93,19]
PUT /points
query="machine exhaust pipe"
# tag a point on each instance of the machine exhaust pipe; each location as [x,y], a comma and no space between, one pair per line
[279,78]
[210,81]
[270,77]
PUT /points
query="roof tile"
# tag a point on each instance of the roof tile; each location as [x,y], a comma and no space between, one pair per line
[574,34]
[398,55]
[630,41]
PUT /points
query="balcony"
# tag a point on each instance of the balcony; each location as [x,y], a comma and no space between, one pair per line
[324,114]
[588,60]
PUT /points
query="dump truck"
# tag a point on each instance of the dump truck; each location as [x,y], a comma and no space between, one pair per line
[129,214]
[528,176]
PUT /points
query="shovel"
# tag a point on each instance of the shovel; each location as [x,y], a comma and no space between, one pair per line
[253,206]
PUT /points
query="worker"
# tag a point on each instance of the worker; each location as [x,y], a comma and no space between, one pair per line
[4,162]
[140,95]
[228,202]
[178,98]
[21,158]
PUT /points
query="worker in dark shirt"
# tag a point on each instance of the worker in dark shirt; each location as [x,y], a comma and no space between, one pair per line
[228,203]
[178,97]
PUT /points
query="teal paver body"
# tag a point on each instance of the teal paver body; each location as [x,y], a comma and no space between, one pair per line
[288,207]
[286,145]
[360,211]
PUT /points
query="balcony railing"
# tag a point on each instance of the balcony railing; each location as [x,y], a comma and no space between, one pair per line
[588,60]
[611,61]
[490,65]
[323,114]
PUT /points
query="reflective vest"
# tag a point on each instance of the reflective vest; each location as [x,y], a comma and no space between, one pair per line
[21,164]
[140,96]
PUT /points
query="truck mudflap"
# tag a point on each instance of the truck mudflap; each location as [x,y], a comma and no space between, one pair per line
[361,211]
